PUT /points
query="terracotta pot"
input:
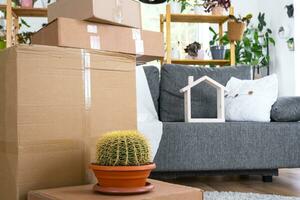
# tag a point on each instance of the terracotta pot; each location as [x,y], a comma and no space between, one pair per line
[26,3]
[122,177]
[218,11]
[236,30]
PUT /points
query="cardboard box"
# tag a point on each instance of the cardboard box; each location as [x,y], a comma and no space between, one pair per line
[65,32]
[54,104]
[116,12]
[162,191]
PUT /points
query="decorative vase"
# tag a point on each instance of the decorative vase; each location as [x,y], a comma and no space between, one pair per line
[218,11]
[236,30]
[218,52]
[175,7]
[26,3]
[122,177]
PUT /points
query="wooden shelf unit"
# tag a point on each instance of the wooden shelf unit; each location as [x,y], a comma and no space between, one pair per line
[12,19]
[190,18]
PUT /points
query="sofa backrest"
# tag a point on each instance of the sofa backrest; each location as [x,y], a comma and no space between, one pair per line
[204,97]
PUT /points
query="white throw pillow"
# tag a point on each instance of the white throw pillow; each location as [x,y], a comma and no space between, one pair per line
[250,100]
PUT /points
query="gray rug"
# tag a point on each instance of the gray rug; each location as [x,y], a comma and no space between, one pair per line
[243,196]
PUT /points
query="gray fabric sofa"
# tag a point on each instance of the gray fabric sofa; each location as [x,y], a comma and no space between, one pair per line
[189,149]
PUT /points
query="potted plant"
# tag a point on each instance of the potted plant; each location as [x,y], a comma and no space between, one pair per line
[122,163]
[218,45]
[237,26]
[291,44]
[217,7]
[194,51]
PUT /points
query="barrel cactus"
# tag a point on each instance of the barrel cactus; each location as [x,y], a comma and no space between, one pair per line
[123,148]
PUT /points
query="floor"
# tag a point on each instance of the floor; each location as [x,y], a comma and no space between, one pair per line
[287,183]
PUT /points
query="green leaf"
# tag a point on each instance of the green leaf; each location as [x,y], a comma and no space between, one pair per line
[272,41]
[23,22]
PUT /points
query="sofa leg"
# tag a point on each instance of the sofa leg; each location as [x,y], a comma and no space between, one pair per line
[267,179]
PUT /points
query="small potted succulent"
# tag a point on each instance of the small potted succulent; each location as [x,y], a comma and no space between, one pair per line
[122,163]
[237,26]
[216,7]
[217,45]
[194,51]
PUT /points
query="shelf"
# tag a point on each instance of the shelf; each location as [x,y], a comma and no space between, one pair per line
[201,62]
[27,12]
[2,7]
[190,18]
[30,12]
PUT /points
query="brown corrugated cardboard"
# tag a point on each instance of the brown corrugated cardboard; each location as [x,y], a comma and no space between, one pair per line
[162,191]
[65,32]
[55,102]
[116,12]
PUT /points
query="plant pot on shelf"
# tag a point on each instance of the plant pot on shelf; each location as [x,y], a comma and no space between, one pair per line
[26,3]
[218,11]
[122,176]
[236,30]
[218,52]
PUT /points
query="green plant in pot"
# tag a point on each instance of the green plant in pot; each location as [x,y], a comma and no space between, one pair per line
[122,163]
[253,49]
[218,45]
[237,26]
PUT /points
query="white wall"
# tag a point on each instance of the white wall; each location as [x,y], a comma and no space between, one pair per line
[282,61]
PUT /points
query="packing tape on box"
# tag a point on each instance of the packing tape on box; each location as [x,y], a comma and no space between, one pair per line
[139,43]
[95,42]
[92,28]
[118,12]
[86,67]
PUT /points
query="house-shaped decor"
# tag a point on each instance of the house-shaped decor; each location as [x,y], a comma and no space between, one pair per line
[188,104]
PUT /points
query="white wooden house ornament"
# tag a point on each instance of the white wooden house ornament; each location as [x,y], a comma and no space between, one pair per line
[220,100]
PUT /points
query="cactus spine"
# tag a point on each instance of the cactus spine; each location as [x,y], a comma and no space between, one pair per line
[123,148]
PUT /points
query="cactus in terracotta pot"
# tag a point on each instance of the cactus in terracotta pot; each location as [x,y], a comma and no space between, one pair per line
[123,148]
[122,163]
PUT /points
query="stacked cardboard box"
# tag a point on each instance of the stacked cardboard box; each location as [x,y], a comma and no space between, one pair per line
[54,104]
[67,28]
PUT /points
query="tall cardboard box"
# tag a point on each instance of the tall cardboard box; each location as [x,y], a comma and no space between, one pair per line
[116,12]
[148,45]
[54,104]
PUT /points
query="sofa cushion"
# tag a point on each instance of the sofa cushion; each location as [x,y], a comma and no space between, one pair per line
[228,146]
[286,109]
[251,100]
[204,97]
[152,74]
